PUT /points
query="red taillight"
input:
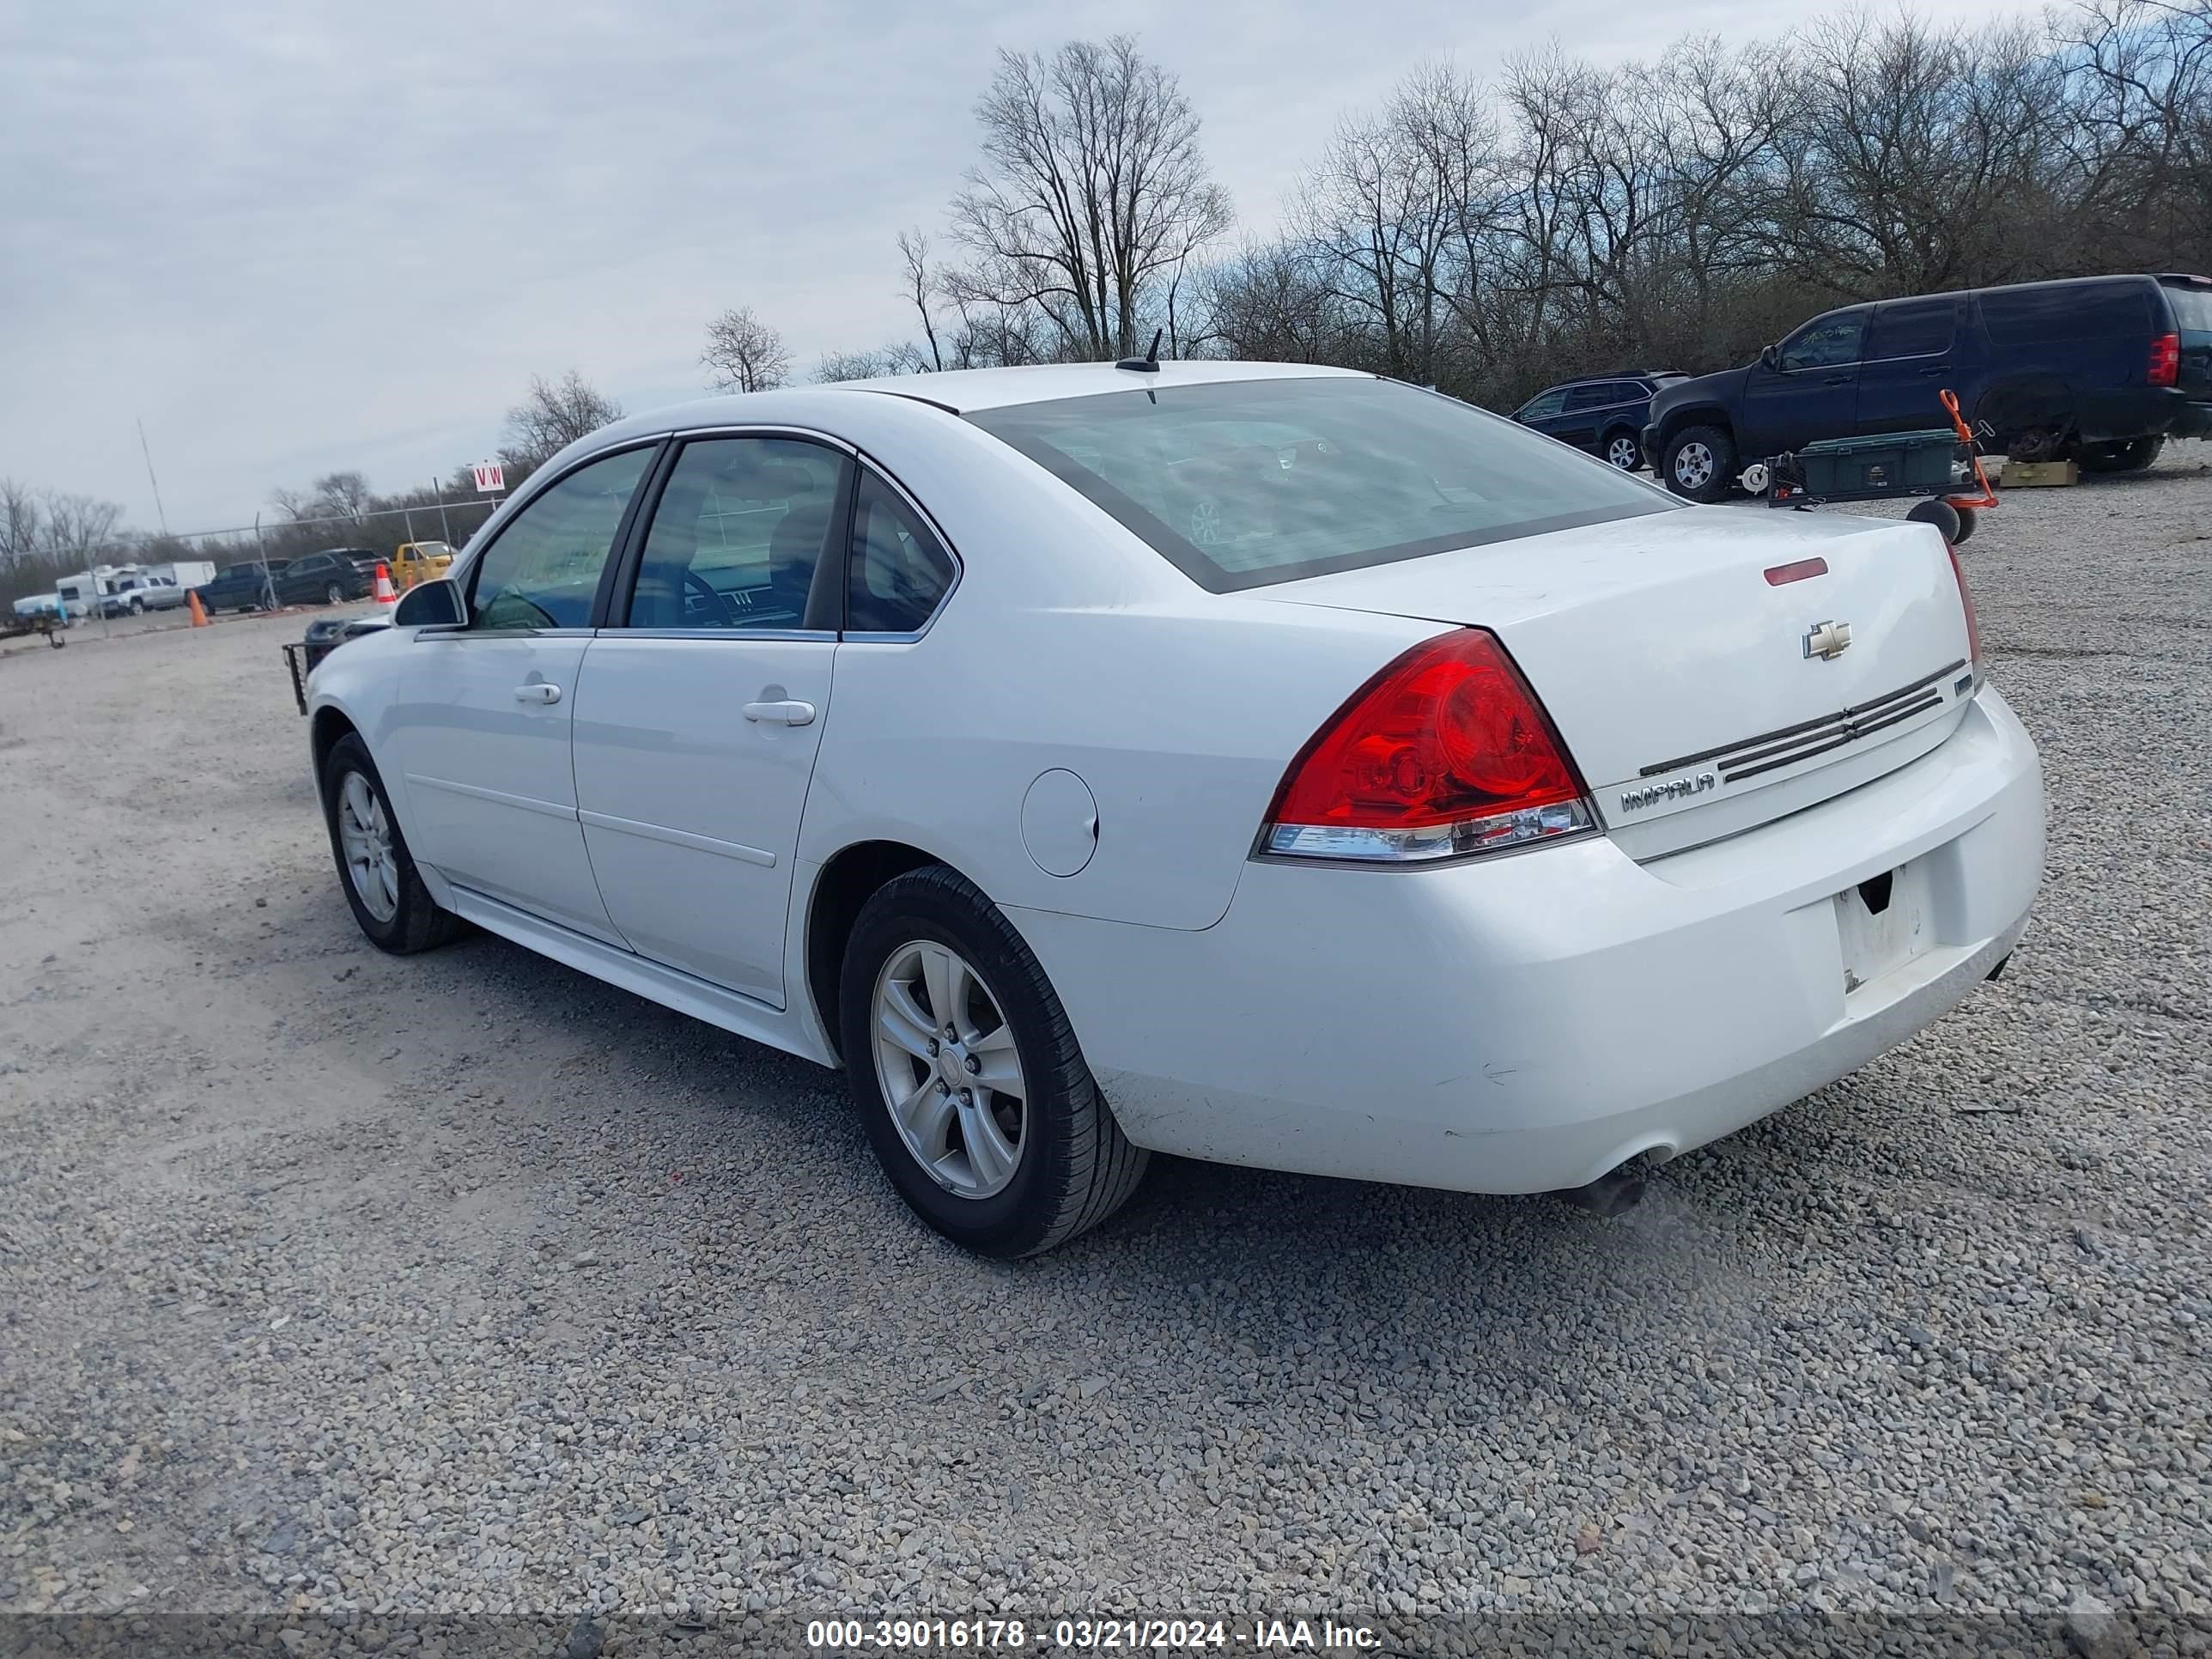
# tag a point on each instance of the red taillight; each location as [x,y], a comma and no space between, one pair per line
[1444,752]
[2166,360]
[1967,599]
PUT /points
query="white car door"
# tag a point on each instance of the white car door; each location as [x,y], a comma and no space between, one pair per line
[697,718]
[481,728]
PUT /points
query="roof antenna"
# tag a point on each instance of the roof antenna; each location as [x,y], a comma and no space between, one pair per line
[1150,362]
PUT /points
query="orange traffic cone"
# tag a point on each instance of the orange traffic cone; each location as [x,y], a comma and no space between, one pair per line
[385,593]
[199,611]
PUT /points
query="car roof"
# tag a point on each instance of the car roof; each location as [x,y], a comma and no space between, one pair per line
[965,389]
[1608,375]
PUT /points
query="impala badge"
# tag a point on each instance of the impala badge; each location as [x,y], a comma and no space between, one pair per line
[1827,641]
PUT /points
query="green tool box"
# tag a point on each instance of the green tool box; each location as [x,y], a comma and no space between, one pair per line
[1884,464]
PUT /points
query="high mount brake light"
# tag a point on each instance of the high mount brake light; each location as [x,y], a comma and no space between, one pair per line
[1444,753]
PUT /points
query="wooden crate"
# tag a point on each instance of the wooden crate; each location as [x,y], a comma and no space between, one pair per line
[2033,474]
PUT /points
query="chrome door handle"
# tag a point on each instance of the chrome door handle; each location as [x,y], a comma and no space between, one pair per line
[792,713]
[537,691]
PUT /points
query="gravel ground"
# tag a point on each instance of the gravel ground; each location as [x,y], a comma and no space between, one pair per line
[465,1284]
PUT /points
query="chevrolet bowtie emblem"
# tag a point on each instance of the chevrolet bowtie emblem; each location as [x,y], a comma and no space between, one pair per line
[1827,641]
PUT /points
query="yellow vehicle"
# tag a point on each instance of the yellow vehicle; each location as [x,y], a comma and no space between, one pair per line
[419,561]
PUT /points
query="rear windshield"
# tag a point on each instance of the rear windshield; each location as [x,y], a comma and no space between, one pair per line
[2192,307]
[1249,482]
[2067,311]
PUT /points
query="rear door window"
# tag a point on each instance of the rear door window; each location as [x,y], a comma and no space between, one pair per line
[1544,405]
[738,536]
[1913,328]
[898,573]
[2066,311]
[1595,396]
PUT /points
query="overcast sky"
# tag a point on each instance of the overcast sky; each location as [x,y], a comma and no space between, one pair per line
[292,236]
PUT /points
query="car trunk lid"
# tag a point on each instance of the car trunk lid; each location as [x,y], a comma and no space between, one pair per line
[1710,668]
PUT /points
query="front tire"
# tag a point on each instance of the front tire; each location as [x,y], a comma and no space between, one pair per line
[1620,449]
[394,909]
[968,1076]
[1701,463]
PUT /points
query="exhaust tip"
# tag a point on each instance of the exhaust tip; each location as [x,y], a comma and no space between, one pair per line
[1616,1192]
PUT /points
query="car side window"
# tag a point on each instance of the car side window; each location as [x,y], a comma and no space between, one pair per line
[1826,342]
[898,573]
[1544,405]
[1596,396]
[1913,328]
[543,570]
[738,536]
[2098,309]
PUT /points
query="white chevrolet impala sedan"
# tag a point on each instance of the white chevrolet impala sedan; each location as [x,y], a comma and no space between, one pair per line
[1273,765]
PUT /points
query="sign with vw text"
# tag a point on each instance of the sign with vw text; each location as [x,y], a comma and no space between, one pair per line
[491,477]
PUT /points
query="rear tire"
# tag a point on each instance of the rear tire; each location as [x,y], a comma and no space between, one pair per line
[2130,456]
[334,594]
[415,922]
[1701,463]
[1620,448]
[1072,1167]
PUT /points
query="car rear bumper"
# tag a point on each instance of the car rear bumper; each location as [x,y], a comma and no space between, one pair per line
[1525,1024]
[2118,416]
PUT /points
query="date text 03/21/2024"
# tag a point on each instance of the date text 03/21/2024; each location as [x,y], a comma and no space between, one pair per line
[1093,1634]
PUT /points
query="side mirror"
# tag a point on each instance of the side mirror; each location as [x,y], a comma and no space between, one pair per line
[431,605]
[1770,356]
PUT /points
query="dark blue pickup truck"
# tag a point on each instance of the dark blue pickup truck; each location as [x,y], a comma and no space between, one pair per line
[2101,368]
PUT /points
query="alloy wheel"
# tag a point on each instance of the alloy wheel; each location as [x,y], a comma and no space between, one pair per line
[949,1070]
[366,835]
[1694,466]
[1621,452]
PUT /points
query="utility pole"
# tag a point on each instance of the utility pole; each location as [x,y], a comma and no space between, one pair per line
[158,512]
[445,530]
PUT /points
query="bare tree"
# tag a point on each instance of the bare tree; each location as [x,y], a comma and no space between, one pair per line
[1091,198]
[21,522]
[871,365]
[340,496]
[554,415]
[1275,303]
[743,354]
[922,284]
[79,528]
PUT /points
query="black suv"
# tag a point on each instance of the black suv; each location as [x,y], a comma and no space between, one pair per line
[1604,414]
[332,577]
[2101,368]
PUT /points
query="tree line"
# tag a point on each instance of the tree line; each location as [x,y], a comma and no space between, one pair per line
[1489,236]
[1486,236]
